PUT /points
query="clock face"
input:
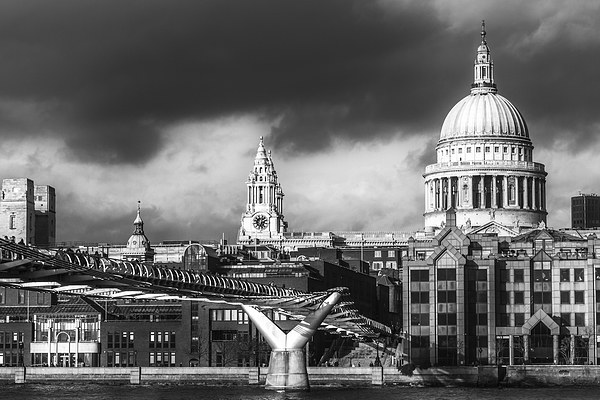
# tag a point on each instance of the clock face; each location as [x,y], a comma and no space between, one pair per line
[260,222]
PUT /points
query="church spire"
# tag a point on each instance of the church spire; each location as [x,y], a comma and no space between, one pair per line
[483,79]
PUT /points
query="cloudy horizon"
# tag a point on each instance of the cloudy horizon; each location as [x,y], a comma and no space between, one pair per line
[163,102]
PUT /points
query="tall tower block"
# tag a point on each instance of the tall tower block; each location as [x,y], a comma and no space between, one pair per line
[17,209]
[45,215]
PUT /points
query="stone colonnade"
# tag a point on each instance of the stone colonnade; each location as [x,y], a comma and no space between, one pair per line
[485,191]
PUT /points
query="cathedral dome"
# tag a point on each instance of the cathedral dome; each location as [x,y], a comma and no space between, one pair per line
[484,113]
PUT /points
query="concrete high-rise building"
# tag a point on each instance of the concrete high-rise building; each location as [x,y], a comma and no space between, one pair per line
[485,168]
[585,211]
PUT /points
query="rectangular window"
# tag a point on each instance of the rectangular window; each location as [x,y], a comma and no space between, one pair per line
[468,149]
[152,339]
[460,150]
[152,359]
[377,254]
[519,275]
[502,319]
[541,275]
[565,275]
[496,149]
[566,318]
[478,149]
[421,275]
[391,253]
[505,149]
[109,341]
[579,319]
[21,296]
[578,275]
[565,297]
[519,297]
[579,297]
[11,222]
[487,149]
[446,274]
[519,319]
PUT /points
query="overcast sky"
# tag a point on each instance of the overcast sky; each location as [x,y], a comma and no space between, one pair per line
[112,102]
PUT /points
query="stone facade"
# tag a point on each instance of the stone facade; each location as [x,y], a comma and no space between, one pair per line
[28,212]
[17,210]
[484,298]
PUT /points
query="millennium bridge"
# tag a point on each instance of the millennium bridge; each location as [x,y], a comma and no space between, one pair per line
[93,278]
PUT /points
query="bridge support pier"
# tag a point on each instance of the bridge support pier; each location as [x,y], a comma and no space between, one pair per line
[287,366]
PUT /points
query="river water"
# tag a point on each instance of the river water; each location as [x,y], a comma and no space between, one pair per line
[89,391]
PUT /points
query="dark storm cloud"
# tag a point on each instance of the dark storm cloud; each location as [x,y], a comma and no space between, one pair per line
[114,73]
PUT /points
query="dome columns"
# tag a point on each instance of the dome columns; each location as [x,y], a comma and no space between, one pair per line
[483,196]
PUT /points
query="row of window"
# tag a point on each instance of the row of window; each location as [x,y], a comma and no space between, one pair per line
[443,274]
[162,340]
[121,359]
[119,340]
[390,253]
[488,149]
[9,359]
[377,265]
[578,297]
[544,275]
[162,359]
[11,340]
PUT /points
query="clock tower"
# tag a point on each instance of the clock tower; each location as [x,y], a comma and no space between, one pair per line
[263,217]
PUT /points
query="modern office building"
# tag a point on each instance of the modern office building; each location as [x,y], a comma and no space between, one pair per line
[585,211]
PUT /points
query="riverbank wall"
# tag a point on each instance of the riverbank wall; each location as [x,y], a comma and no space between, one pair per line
[483,376]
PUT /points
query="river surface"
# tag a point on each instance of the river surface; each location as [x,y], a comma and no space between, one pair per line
[89,391]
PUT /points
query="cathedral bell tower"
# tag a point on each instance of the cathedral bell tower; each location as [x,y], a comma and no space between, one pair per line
[263,219]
